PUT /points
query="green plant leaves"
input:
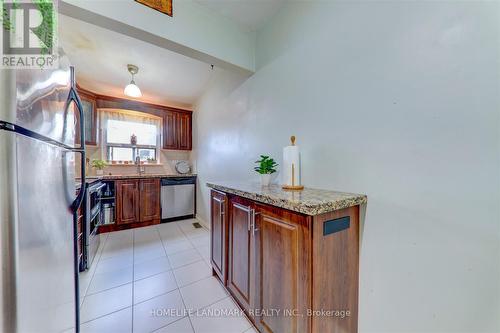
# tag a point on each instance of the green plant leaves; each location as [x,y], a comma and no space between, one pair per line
[266,165]
[99,164]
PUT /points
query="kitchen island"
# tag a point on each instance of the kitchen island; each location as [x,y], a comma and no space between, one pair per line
[289,259]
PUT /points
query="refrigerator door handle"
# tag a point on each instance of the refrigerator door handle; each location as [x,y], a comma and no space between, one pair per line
[73,97]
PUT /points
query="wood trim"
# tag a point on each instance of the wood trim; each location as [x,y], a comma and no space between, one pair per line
[111,102]
[118,227]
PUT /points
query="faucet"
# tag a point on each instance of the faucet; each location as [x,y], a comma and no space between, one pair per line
[140,169]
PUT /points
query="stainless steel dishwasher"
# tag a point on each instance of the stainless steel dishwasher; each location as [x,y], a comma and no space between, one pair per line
[178,198]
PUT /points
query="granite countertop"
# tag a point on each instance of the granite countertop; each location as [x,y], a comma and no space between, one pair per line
[91,179]
[308,201]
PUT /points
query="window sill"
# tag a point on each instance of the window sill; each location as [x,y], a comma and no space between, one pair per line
[132,165]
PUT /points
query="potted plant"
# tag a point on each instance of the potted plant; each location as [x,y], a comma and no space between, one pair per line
[266,167]
[99,165]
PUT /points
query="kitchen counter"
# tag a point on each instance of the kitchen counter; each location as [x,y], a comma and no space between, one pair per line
[308,201]
[92,179]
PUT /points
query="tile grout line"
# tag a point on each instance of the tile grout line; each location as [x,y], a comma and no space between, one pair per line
[189,240]
[182,297]
[108,289]
[177,283]
[163,246]
[107,314]
[100,249]
[178,288]
[163,243]
[133,273]
[147,277]
[172,323]
[228,296]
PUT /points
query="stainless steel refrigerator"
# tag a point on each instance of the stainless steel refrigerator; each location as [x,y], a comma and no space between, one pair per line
[39,268]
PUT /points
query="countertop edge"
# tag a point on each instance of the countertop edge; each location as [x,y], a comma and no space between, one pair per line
[312,210]
[93,179]
[112,177]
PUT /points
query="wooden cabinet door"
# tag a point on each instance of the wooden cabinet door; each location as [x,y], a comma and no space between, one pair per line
[170,130]
[240,258]
[218,231]
[149,199]
[282,269]
[127,201]
[184,132]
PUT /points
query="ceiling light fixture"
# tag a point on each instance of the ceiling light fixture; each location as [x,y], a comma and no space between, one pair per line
[132,89]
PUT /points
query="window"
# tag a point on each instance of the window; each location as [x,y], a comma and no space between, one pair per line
[119,129]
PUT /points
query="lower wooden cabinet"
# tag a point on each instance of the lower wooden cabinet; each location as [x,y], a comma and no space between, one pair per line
[288,271]
[241,252]
[149,208]
[218,250]
[127,201]
[137,200]
[282,276]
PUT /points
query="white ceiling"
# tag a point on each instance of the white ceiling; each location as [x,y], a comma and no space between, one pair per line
[100,57]
[251,14]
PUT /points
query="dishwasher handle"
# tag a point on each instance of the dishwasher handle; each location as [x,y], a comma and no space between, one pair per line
[178,181]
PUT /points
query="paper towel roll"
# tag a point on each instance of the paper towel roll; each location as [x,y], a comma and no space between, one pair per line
[291,156]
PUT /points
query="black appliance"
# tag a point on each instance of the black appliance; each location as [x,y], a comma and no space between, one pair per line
[93,219]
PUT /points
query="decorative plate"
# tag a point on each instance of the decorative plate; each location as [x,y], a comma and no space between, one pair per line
[183,167]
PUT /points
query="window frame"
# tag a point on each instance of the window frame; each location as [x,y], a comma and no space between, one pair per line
[135,148]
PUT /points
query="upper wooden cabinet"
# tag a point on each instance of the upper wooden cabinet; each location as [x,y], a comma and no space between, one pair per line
[177,123]
[170,130]
[137,200]
[185,131]
[177,130]
[90,113]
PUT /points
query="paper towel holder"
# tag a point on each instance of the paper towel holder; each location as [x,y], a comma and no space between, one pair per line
[293,187]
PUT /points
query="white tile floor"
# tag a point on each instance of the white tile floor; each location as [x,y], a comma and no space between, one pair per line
[156,279]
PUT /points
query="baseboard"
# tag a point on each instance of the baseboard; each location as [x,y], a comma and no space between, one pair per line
[203,222]
[177,218]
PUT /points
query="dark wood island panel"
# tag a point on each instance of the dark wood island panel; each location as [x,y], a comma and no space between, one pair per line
[291,272]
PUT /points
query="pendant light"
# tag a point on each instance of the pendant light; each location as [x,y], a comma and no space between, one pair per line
[132,89]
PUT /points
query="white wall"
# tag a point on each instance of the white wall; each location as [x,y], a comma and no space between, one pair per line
[193,30]
[398,100]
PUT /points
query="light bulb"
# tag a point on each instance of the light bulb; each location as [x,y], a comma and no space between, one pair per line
[132,90]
